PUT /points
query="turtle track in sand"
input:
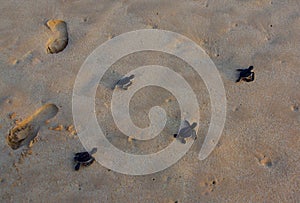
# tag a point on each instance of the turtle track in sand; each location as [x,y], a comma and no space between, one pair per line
[59,40]
[25,131]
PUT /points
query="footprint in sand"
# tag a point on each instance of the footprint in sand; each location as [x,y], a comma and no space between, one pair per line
[25,131]
[59,40]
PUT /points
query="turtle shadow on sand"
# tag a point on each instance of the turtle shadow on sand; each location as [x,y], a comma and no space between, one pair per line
[113,80]
[110,79]
[234,72]
[25,131]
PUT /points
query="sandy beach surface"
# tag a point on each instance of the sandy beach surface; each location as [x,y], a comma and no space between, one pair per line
[257,156]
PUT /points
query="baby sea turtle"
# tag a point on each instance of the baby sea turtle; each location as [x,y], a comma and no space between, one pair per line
[84,158]
[125,82]
[186,130]
[246,74]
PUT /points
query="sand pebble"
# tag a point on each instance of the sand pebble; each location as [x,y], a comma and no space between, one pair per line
[15,62]
[57,128]
[130,138]
[31,143]
[266,162]
[71,130]
[8,101]
[295,108]
[13,115]
[18,121]
[168,100]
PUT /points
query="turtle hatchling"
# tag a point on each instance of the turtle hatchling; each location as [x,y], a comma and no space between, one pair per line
[186,130]
[84,158]
[125,82]
[246,75]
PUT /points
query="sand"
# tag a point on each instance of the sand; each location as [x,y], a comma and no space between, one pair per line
[257,157]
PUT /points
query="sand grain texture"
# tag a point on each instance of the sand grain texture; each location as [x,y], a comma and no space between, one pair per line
[257,157]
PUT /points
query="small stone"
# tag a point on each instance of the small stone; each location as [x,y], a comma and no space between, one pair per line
[29,152]
[70,128]
[18,121]
[168,100]
[15,165]
[30,144]
[266,162]
[106,105]
[23,154]
[154,26]
[130,139]
[13,115]
[8,101]
[74,132]
[21,160]
[110,36]
[15,62]
[57,128]
[295,108]
[85,19]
